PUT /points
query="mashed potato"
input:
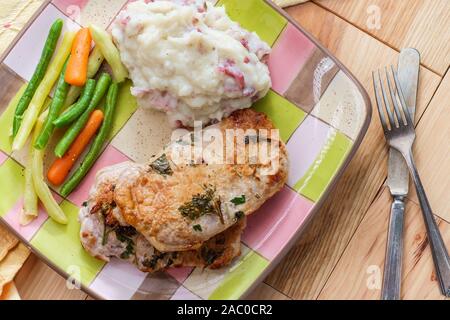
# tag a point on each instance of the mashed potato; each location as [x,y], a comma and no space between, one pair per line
[190,60]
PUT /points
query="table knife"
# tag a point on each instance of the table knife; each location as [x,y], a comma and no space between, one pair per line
[398,180]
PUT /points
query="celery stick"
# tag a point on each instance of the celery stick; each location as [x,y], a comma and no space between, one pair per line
[104,41]
[43,191]
[30,200]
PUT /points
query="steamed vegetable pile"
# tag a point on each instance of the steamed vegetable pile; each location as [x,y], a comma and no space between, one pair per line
[83,105]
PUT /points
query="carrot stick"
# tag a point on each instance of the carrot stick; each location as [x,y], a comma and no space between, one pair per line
[61,167]
[76,73]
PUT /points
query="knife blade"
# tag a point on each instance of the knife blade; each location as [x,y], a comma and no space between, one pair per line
[398,179]
[408,76]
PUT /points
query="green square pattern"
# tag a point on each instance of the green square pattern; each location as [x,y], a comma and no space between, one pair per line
[321,172]
[12,183]
[257,16]
[61,245]
[240,277]
[285,115]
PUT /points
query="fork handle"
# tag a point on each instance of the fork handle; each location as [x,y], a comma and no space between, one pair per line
[392,274]
[439,252]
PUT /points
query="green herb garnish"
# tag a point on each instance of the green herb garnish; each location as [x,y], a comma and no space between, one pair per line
[201,204]
[238,200]
[198,228]
[162,165]
[123,234]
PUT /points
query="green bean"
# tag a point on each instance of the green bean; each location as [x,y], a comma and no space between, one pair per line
[8,114]
[95,61]
[38,75]
[97,144]
[78,108]
[55,108]
[73,131]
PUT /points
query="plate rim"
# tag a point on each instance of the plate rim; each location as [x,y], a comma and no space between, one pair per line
[317,205]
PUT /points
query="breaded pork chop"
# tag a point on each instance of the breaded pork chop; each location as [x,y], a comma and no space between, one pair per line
[179,206]
[171,206]
[104,233]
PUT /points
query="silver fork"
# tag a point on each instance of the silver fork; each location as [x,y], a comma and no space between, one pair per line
[400,134]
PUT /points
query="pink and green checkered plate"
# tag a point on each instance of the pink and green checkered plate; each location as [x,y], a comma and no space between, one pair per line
[322,113]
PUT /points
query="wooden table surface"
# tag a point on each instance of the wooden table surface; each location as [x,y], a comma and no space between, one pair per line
[341,255]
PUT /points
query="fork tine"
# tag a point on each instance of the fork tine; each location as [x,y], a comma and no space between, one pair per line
[379,103]
[394,99]
[386,102]
[409,120]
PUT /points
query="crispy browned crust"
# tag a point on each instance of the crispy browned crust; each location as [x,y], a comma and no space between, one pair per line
[247,119]
[224,247]
[150,202]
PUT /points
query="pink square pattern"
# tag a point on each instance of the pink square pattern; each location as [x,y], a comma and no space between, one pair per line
[184,294]
[3,158]
[109,157]
[180,274]
[70,6]
[287,58]
[276,222]
[118,280]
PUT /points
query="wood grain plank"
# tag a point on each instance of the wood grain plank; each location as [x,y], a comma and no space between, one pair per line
[358,274]
[37,281]
[11,83]
[432,152]
[266,292]
[303,273]
[423,24]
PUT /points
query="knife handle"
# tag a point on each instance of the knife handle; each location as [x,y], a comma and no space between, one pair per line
[392,275]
